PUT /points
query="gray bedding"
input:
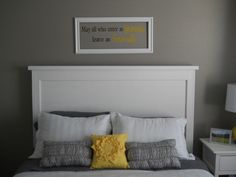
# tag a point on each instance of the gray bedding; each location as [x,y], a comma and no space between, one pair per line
[33,165]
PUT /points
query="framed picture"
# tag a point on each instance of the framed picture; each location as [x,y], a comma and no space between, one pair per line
[220,135]
[100,35]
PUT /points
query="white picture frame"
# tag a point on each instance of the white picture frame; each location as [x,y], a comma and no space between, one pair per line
[83,35]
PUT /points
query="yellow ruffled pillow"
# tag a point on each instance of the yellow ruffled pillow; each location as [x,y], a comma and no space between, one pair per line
[109,151]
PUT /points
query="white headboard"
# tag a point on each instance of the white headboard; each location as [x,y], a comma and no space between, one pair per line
[131,90]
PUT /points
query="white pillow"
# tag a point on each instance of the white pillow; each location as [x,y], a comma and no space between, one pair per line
[59,128]
[152,129]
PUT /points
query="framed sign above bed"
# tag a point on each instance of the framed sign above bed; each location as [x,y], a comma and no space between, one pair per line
[94,35]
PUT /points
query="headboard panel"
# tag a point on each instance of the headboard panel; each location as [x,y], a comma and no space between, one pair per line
[132,90]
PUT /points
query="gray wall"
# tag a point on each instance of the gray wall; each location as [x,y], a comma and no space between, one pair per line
[192,32]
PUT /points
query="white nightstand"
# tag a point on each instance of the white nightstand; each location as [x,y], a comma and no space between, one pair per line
[220,158]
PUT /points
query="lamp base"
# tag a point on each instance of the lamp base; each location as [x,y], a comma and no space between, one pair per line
[234,135]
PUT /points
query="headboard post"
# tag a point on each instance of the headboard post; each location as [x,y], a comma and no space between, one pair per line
[190,97]
[133,90]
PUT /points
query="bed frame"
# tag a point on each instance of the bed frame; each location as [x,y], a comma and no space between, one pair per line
[163,91]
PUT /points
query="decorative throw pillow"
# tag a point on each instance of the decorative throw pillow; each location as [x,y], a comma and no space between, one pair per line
[109,151]
[66,153]
[154,155]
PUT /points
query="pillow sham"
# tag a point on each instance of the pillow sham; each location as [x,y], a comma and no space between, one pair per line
[152,130]
[155,155]
[58,128]
[109,151]
[73,114]
[57,154]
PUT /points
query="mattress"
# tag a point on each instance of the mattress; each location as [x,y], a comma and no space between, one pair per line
[119,173]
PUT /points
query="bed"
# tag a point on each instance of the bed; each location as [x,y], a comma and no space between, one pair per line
[138,91]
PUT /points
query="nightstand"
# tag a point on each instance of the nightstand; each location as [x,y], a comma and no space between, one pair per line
[220,158]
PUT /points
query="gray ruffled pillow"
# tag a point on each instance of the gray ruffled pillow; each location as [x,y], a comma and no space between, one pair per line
[66,153]
[154,155]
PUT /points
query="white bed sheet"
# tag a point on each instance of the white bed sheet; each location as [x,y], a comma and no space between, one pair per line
[120,173]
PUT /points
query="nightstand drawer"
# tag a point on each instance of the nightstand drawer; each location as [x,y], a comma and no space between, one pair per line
[227,163]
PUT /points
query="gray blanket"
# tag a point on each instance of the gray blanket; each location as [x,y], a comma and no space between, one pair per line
[32,165]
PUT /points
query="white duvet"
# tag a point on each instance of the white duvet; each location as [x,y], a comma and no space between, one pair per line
[119,173]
